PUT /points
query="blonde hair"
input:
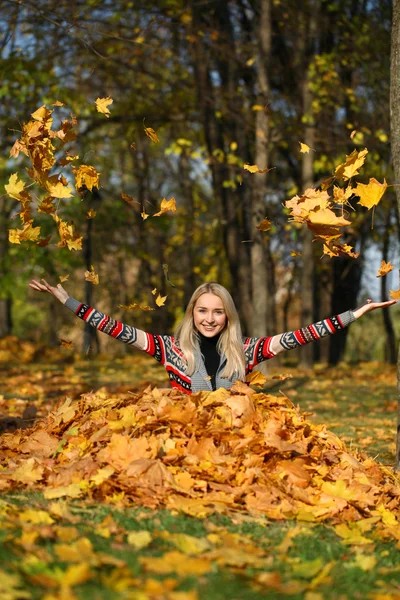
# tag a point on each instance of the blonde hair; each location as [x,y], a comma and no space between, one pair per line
[230,343]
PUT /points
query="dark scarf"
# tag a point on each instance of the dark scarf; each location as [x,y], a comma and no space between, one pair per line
[208,348]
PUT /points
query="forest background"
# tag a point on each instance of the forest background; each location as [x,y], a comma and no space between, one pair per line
[222,83]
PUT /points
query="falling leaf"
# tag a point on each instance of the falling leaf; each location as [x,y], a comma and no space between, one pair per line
[353,133]
[255,168]
[370,194]
[257,107]
[256,378]
[102,104]
[395,295]
[128,199]
[304,149]
[160,300]
[58,103]
[91,214]
[92,276]
[86,176]
[265,225]
[16,188]
[63,278]
[294,254]
[65,343]
[166,205]
[144,215]
[154,291]
[28,233]
[385,268]
[351,166]
[47,205]
[167,279]
[151,134]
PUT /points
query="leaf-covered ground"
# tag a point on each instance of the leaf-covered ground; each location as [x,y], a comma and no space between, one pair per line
[103,545]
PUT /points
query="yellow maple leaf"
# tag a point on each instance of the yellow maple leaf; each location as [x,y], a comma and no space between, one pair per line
[92,276]
[28,233]
[342,195]
[370,194]
[166,205]
[351,166]
[63,278]
[257,107]
[160,300]
[42,114]
[256,378]
[28,472]
[86,176]
[59,190]
[73,243]
[13,236]
[294,254]
[102,104]
[15,188]
[255,168]
[151,134]
[304,149]
[154,292]
[144,215]
[385,268]
[395,295]
[265,225]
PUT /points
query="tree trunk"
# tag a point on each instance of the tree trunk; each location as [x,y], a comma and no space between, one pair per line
[189,281]
[390,346]
[90,338]
[395,146]
[260,239]
[5,296]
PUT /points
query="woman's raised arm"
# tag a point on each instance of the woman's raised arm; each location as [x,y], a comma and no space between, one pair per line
[125,333]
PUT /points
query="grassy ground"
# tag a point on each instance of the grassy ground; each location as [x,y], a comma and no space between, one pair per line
[72,549]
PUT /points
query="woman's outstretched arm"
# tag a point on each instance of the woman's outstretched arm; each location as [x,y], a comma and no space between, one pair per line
[260,349]
[152,344]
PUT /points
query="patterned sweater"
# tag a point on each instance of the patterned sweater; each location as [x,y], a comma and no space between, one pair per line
[164,348]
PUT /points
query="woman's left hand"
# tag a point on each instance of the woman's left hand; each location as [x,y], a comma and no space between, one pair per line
[369,305]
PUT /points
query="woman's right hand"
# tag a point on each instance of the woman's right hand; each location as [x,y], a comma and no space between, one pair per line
[58,292]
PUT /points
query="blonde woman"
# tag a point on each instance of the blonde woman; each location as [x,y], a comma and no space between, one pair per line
[208,350]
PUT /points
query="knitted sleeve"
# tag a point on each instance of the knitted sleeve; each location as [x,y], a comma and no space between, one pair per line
[259,349]
[152,344]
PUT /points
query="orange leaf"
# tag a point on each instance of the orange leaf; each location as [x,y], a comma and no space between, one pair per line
[395,295]
[151,134]
[92,276]
[265,225]
[351,166]
[385,268]
[166,205]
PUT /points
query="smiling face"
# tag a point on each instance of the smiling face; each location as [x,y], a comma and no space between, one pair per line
[209,315]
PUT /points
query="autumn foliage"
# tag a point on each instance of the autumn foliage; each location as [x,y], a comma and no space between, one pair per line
[223,451]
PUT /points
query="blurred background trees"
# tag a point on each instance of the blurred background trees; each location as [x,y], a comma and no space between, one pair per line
[223,82]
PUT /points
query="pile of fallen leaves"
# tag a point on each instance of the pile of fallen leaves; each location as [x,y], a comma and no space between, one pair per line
[223,451]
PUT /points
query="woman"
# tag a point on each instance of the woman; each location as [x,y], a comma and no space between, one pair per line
[208,350]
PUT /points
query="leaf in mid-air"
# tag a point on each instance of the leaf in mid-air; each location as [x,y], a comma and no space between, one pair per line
[265,225]
[166,205]
[255,168]
[151,134]
[395,295]
[351,166]
[102,104]
[370,194]
[304,149]
[385,268]
[160,300]
[92,276]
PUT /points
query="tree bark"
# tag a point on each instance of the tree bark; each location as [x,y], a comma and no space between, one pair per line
[395,147]
[390,346]
[260,239]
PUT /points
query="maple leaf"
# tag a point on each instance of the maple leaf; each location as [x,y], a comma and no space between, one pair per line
[166,205]
[370,194]
[16,189]
[151,134]
[256,378]
[342,195]
[28,233]
[294,253]
[160,300]
[59,190]
[351,166]
[92,276]
[265,225]
[144,215]
[18,147]
[385,268]
[63,278]
[91,214]
[255,168]
[102,104]
[67,160]
[395,295]
[67,234]
[42,114]
[86,176]
[304,149]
